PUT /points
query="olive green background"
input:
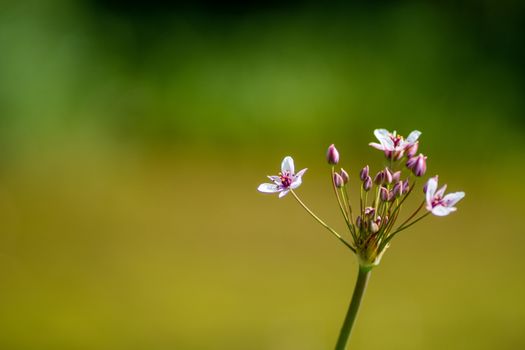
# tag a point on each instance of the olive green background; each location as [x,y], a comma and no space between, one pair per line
[133,136]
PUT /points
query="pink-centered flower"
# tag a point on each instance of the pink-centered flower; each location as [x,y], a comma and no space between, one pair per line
[392,144]
[437,202]
[286,180]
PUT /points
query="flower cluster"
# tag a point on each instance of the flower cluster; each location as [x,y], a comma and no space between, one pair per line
[382,195]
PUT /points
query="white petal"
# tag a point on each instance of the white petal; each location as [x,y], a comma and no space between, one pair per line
[283,193]
[296,183]
[387,143]
[268,188]
[441,191]
[442,211]
[381,133]
[452,198]
[377,146]
[287,165]
[414,135]
[431,190]
[301,172]
[275,179]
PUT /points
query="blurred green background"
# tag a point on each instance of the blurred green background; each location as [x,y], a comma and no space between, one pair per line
[133,136]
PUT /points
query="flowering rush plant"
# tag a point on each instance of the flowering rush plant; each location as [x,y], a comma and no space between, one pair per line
[378,218]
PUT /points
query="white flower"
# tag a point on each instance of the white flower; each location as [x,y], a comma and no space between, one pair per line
[439,204]
[286,180]
[392,143]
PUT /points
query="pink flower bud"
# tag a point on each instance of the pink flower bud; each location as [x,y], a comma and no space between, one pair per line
[345,176]
[369,211]
[364,173]
[418,165]
[406,186]
[332,155]
[359,221]
[379,178]
[388,176]
[398,189]
[374,227]
[367,184]
[396,176]
[384,194]
[412,149]
[338,180]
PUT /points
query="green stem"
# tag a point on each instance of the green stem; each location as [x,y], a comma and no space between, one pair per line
[337,235]
[351,315]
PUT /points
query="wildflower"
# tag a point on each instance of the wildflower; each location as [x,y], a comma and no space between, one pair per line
[286,180]
[371,233]
[418,165]
[332,155]
[437,202]
[392,144]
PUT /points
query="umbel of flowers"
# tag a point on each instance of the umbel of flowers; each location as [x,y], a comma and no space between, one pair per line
[380,214]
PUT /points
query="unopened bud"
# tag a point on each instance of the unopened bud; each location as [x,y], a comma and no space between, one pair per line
[384,194]
[398,189]
[332,155]
[406,186]
[412,149]
[367,184]
[359,221]
[369,211]
[364,173]
[396,176]
[374,227]
[345,176]
[418,165]
[379,178]
[388,176]
[338,180]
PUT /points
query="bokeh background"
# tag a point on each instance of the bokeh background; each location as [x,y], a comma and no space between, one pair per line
[133,135]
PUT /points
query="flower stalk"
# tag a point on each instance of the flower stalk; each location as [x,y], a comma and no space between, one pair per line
[357,297]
